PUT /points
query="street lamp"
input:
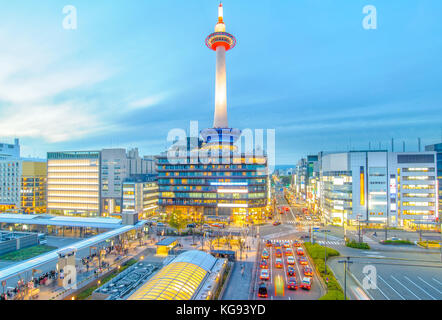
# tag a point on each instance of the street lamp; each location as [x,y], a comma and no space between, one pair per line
[345,262]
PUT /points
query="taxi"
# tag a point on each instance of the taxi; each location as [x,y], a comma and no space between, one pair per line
[303,261]
[278,263]
[264,264]
[306,283]
[291,272]
[308,272]
[264,275]
[296,243]
[300,251]
[286,244]
[290,260]
[291,284]
[265,254]
[289,252]
[278,253]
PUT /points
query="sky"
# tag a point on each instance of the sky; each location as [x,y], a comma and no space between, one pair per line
[133,70]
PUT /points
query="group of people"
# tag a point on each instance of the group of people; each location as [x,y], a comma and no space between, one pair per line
[22,287]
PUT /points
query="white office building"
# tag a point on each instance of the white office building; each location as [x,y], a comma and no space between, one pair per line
[378,187]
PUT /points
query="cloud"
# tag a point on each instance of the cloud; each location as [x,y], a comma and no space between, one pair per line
[149,101]
[53,123]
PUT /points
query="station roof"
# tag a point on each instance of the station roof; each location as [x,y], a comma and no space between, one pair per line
[166,242]
[53,255]
[43,219]
[178,280]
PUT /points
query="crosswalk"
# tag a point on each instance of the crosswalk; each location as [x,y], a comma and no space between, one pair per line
[281,241]
[336,243]
[302,222]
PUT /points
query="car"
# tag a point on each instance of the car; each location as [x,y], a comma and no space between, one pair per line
[264,275]
[306,283]
[264,264]
[278,253]
[290,260]
[308,272]
[265,254]
[276,223]
[268,243]
[262,290]
[300,251]
[296,243]
[291,271]
[286,244]
[291,284]
[286,209]
[278,263]
[277,245]
[289,252]
[303,261]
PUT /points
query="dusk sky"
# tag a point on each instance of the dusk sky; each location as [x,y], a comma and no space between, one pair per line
[133,70]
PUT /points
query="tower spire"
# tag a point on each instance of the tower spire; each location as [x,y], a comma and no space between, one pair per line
[220,41]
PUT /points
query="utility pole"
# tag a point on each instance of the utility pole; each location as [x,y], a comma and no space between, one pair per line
[346,263]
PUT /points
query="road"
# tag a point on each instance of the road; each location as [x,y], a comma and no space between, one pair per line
[400,272]
[290,229]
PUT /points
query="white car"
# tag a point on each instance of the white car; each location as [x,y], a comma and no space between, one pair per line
[290,260]
[264,275]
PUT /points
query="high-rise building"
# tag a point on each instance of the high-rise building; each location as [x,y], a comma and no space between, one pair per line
[438,149]
[22,186]
[74,183]
[140,194]
[33,187]
[10,150]
[378,187]
[224,184]
[10,184]
[115,169]
[90,183]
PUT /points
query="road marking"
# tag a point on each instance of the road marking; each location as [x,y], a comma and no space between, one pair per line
[437,281]
[405,287]
[391,287]
[420,288]
[429,285]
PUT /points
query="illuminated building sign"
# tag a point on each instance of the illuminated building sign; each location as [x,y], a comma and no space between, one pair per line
[362,186]
[233,205]
[228,183]
[232,190]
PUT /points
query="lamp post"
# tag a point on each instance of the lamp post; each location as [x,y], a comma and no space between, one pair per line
[345,262]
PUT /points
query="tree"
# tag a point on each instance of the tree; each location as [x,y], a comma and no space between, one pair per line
[177,221]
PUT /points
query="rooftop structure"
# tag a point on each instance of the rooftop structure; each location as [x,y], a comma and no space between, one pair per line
[180,279]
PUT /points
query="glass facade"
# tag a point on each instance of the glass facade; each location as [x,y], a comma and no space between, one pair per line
[215,188]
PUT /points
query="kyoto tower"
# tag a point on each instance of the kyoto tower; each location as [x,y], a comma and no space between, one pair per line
[220,41]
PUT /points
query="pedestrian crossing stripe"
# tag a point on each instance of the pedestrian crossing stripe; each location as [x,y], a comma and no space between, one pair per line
[282,241]
[331,242]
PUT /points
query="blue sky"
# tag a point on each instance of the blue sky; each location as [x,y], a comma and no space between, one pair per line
[133,70]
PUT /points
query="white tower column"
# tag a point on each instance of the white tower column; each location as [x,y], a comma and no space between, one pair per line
[220,119]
